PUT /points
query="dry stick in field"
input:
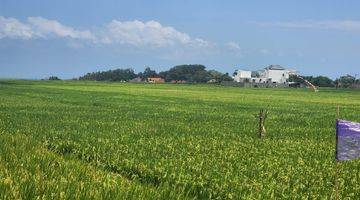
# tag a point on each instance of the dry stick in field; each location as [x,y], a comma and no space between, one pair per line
[262,117]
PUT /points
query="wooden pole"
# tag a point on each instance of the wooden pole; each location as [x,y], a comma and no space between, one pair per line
[262,117]
[263,122]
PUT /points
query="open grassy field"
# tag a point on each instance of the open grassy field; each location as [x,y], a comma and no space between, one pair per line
[72,140]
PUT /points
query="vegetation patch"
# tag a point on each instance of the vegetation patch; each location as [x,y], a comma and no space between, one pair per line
[74,139]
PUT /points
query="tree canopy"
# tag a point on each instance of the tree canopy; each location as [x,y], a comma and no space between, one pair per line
[148,73]
[54,78]
[189,73]
[110,75]
[196,73]
[346,81]
[320,81]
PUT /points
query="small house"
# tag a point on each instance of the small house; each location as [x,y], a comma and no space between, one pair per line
[155,80]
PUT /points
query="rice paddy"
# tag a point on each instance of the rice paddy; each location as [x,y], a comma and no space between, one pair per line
[90,140]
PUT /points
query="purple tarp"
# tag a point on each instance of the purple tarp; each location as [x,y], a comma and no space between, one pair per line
[347,140]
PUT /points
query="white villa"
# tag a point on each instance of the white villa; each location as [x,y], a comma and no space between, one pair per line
[242,76]
[271,74]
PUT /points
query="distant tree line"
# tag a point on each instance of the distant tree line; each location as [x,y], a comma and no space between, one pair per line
[51,78]
[188,73]
[347,81]
[196,73]
[110,75]
[323,81]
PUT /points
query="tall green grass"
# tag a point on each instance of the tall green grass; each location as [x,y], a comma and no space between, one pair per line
[170,141]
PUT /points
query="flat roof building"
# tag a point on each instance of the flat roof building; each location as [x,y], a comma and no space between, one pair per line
[270,74]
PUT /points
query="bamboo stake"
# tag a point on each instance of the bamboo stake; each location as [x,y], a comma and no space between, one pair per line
[262,117]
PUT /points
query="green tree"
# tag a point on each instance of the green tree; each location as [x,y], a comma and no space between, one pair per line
[320,81]
[323,81]
[110,75]
[226,77]
[54,78]
[345,81]
[148,73]
[189,73]
[215,75]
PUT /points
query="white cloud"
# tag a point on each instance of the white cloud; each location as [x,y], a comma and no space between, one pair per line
[150,33]
[13,28]
[342,25]
[44,27]
[38,27]
[135,33]
[233,46]
[198,42]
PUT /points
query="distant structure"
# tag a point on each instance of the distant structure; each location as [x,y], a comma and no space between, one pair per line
[155,80]
[136,80]
[242,76]
[212,81]
[178,81]
[274,74]
[271,76]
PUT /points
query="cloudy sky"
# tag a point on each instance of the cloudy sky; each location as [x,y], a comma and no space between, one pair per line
[68,38]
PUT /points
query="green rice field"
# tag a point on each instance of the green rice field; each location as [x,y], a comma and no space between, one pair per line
[92,140]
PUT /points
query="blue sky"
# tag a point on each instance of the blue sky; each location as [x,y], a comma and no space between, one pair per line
[70,38]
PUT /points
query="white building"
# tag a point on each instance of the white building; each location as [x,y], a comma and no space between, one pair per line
[275,74]
[271,74]
[242,76]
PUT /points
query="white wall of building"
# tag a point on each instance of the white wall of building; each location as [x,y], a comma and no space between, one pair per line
[242,75]
[277,76]
[271,74]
